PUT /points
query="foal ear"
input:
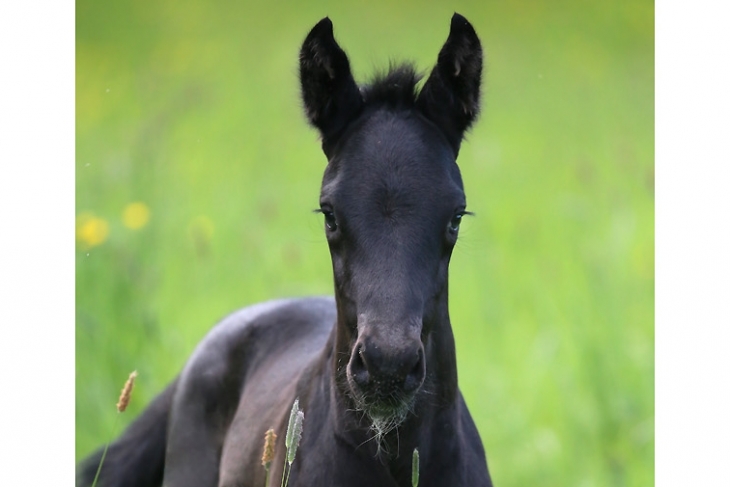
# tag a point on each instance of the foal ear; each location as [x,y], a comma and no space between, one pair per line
[450,96]
[331,97]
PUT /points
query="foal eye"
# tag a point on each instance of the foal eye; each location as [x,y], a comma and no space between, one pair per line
[455,222]
[329,220]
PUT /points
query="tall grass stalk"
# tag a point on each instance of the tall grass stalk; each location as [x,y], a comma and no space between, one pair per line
[293,437]
[415,466]
[122,404]
[268,456]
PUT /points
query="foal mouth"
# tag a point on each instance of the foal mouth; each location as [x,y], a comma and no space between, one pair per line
[383,416]
[386,407]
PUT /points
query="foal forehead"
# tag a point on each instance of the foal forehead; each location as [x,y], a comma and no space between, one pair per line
[397,151]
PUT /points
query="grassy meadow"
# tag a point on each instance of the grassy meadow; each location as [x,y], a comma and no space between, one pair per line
[196,174]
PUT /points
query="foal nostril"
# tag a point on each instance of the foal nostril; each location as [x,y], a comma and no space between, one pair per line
[358,367]
[415,377]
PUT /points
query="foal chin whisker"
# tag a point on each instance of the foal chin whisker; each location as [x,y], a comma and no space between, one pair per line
[381,427]
[378,436]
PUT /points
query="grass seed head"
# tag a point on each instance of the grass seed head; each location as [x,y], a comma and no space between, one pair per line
[296,437]
[126,393]
[269,446]
[415,467]
[292,420]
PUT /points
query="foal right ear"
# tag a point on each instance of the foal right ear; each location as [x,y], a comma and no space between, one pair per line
[331,96]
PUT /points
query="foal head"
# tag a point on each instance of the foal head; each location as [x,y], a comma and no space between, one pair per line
[392,199]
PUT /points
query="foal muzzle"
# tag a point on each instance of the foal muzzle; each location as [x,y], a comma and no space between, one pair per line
[385,373]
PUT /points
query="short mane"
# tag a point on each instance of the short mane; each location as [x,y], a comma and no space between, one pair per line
[396,87]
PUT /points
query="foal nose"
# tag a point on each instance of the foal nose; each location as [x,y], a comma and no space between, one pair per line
[385,370]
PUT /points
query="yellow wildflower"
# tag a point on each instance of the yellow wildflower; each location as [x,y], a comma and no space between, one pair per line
[91,230]
[136,215]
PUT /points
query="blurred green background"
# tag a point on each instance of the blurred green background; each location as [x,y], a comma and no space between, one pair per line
[196,174]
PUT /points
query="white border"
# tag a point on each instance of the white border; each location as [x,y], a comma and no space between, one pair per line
[692,245]
[36,242]
[36,249]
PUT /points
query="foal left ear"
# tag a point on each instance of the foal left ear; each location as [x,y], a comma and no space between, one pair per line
[450,96]
[331,96]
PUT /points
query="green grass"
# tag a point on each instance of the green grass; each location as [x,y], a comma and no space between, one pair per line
[192,108]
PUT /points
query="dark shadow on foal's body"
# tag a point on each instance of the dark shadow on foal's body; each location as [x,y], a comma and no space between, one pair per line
[374,368]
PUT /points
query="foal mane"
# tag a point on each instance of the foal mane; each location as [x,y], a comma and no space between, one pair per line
[395,87]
